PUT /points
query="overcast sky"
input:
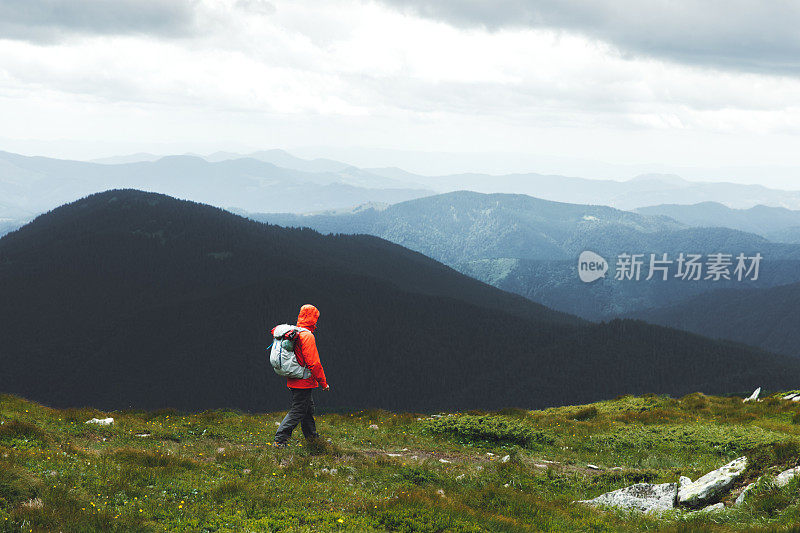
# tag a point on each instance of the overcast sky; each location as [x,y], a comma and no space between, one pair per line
[589,86]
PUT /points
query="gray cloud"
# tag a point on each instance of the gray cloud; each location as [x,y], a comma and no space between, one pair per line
[750,35]
[52,20]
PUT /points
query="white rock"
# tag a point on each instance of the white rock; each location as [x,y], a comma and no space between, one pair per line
[505,485]
[505,459]
[395,454]
[373,426]
[444,461]
[683,480]
[537,465]
[789,396]
[460,477]
[753,397]
[642,497]
[143,435]
[783,479]
[712,508]
[100,421]
[440,492]
[593,467]
[704,489]
[743,495]
[796,398]
[335,470]
[489,454]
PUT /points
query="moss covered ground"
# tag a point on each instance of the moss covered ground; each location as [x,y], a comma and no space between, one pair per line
[513,470]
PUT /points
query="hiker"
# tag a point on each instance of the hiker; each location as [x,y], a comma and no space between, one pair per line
[302,409]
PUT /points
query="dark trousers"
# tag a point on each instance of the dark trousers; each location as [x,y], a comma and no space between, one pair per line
[301,412]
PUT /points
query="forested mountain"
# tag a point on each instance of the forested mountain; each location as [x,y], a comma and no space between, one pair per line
[767,318]
[133,299]
[777,224]
[530,246]
[464,226]
[37,184]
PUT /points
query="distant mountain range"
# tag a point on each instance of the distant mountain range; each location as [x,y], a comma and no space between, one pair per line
[642,191]
[775,223]
[275,181]
[531,246]
[37,184]
[133,299]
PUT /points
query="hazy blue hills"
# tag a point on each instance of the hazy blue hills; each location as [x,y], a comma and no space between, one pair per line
[37,184]
[530,246]
[133,299]
[775,223]
[644,190]
[761,317]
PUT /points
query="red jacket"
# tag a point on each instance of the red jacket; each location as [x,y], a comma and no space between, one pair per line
[305,349]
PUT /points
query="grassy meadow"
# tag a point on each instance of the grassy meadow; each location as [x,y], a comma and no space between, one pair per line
[509,471]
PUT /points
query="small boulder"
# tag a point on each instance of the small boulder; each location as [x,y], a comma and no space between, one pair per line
[712,508]
[706,488]
[783,479]
[743,494]
[642,497]
[101,421]
[753,397]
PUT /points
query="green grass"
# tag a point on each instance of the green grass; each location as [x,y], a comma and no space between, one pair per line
[216,471]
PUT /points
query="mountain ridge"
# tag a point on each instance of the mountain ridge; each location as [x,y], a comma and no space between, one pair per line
[158,302]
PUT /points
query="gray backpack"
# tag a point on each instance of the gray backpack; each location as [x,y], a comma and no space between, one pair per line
[281,352]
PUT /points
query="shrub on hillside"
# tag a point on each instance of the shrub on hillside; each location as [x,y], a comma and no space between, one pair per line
[489,428]
[587,413]
[16,485]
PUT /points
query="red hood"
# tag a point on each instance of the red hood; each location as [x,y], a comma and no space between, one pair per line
[308,317]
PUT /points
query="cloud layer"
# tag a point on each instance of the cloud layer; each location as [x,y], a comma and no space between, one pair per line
[749,35]
[460,77]
[53,20]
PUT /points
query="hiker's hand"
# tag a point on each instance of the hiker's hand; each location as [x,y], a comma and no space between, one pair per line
[326,387]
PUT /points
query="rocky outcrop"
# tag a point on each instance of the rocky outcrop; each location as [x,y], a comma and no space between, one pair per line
[643,497]
[101,421]
[753,397]
[743,494]
[711,485]
[783,479]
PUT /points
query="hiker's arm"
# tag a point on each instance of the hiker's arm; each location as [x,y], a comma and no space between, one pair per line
[311,358]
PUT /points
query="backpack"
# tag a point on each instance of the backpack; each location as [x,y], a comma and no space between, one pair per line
[281,352]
